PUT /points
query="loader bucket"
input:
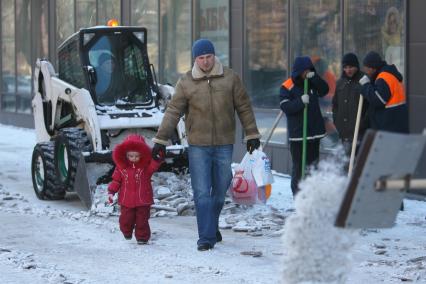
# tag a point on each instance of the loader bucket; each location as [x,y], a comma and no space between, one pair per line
[92,170]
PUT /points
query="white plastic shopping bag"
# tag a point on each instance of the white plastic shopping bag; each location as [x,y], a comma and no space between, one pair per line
[261,170]
[243,187]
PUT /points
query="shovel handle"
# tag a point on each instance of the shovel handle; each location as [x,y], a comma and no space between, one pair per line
[305,130]
[355,139]
[271,131]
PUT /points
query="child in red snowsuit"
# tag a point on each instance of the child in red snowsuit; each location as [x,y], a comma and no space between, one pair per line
[132,181]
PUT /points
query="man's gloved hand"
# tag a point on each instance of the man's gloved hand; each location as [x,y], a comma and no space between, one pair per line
[305,99]
[253,144]
[364,80]
[158,152]
[110,198]
[310,74]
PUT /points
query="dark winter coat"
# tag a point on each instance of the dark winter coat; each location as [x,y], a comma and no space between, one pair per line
[133,181]
[345,107]
[292,105]
[378,94]
[209,102]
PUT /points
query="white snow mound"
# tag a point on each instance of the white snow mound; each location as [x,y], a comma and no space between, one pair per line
[315,250]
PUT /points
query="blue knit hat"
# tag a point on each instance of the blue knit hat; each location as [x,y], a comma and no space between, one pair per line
[202,47]
[373,60]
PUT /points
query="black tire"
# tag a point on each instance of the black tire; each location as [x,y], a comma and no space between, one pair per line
[69,144]
[43,173]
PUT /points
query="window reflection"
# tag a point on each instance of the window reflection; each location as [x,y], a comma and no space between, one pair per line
[265,60]
[315,31]
[64,20]
[175,57]
[44,30]
[212,22]
[86,13]
[23,56]
[145,14]
[266,51]
[376,25]
[8,55]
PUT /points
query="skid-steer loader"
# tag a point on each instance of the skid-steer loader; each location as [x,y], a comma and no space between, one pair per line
[105,89]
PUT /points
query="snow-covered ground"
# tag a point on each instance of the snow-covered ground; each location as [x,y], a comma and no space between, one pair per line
[61,242]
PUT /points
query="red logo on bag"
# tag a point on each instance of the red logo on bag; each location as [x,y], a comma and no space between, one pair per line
[239,183]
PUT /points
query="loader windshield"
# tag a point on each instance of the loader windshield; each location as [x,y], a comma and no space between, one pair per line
[121,70]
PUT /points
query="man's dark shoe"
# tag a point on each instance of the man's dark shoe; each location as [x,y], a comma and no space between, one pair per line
[142,242]
[218,236]
[204,247]
[128,237]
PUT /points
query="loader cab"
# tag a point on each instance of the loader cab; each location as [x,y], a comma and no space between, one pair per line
[112,63]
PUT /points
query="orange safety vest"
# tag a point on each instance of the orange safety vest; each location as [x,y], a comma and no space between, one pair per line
[396,89]
[288,84]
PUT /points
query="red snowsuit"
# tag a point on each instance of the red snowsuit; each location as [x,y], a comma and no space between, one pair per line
[132,181]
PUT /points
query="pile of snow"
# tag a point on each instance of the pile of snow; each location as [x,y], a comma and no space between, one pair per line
[173,196]
[316,250]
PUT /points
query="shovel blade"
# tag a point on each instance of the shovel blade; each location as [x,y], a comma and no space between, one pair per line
[383,155]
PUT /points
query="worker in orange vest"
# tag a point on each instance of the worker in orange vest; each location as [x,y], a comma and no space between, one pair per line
[383,88]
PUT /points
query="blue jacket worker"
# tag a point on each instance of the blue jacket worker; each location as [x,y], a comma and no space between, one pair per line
[292,102]
[383,88]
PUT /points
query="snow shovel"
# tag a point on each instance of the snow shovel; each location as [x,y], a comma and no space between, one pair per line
[305,130]
[271,131]
[355,138]
[380,179]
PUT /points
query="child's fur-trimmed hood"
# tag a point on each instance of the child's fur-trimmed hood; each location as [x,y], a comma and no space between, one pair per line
[135,143]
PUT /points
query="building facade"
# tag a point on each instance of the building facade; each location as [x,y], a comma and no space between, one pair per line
[258,39]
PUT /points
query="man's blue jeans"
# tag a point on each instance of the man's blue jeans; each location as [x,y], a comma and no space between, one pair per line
[211,174]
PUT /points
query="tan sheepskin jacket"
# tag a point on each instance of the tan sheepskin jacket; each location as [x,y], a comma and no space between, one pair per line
[209,102]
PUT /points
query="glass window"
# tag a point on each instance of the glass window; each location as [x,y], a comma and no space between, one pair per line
[376,25]
[315,32]
[121,70]
[107,10]
[8,55]
[145,14]
[86,13]
[70,69]
[265,59]
[64,20]
[44,29]
[175,57]
[212,22]
[23,56]
[265,119]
